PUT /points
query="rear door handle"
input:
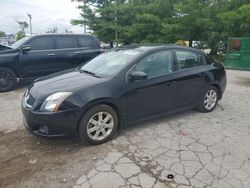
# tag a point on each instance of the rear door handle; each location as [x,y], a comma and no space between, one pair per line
[169,84]
[77,52]
[52,54]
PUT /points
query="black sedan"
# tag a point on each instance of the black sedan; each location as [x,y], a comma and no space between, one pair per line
[122,87]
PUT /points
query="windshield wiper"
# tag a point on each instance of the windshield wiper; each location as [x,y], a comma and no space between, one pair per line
[91,73]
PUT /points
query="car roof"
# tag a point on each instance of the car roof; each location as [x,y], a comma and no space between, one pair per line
[61,34]
[153,47]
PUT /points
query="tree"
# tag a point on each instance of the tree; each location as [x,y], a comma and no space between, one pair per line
[19,35]
[98,15]
[236,21]
[211,22]
[191,19]
[23,25]
[68,31]
[52,30]
[133,21]
[2,34]
[227,19]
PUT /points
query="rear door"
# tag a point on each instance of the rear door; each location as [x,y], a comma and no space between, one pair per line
[40,60]
[66,51]
[89,47]
[190,76]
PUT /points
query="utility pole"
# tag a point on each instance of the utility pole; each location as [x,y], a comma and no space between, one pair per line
[84,26]
[116,32]
[30,17]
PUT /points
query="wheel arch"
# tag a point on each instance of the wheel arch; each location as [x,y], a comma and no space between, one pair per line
[217,86]
[103,101]
[10,69]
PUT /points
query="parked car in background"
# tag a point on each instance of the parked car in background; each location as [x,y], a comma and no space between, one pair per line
[39,55]
[4,47]
[121,87]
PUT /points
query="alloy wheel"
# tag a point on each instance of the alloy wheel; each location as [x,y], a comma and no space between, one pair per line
[5,80]
[100,126]
[210,99]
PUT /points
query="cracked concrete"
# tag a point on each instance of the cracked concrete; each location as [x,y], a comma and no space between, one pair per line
[199,150]
[185,150]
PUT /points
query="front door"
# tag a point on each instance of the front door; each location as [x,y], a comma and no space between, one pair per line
[39,60]
[156,93]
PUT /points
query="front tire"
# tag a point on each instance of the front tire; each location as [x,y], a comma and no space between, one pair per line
[209,100]
[98,125]
[7,80]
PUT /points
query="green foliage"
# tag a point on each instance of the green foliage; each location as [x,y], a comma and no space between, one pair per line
[166,21]
[23,25]
[236,21]
[20,35]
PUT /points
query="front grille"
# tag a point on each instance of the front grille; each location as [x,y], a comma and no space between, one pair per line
[29,100]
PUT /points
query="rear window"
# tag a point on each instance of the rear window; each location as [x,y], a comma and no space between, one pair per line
[188,59]
[65,42]
[234,45]
[85,41]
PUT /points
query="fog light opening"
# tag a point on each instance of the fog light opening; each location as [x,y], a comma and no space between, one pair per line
[44,129]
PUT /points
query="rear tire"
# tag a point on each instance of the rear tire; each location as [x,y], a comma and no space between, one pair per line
[98,124]
[7,80]
[209,100]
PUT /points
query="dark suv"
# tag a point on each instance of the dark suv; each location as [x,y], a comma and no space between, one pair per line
[35,56]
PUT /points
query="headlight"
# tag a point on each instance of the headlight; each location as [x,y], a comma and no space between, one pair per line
[53,102]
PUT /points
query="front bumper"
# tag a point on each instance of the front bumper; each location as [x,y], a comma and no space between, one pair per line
[48,124]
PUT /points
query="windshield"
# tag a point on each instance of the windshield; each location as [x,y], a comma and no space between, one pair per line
[110,63]
[19,42]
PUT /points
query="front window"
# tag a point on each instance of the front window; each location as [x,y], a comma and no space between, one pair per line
[156,64]
[41,43]
[111,63]
[20,42]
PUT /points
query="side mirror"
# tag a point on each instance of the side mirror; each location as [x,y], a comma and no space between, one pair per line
[138,75]
[26,48]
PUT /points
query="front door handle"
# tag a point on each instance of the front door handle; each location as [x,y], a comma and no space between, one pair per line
[77,52]
[203,75]
[52,54]
[170,84]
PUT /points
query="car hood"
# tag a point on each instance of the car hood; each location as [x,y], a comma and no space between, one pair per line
[66,81]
